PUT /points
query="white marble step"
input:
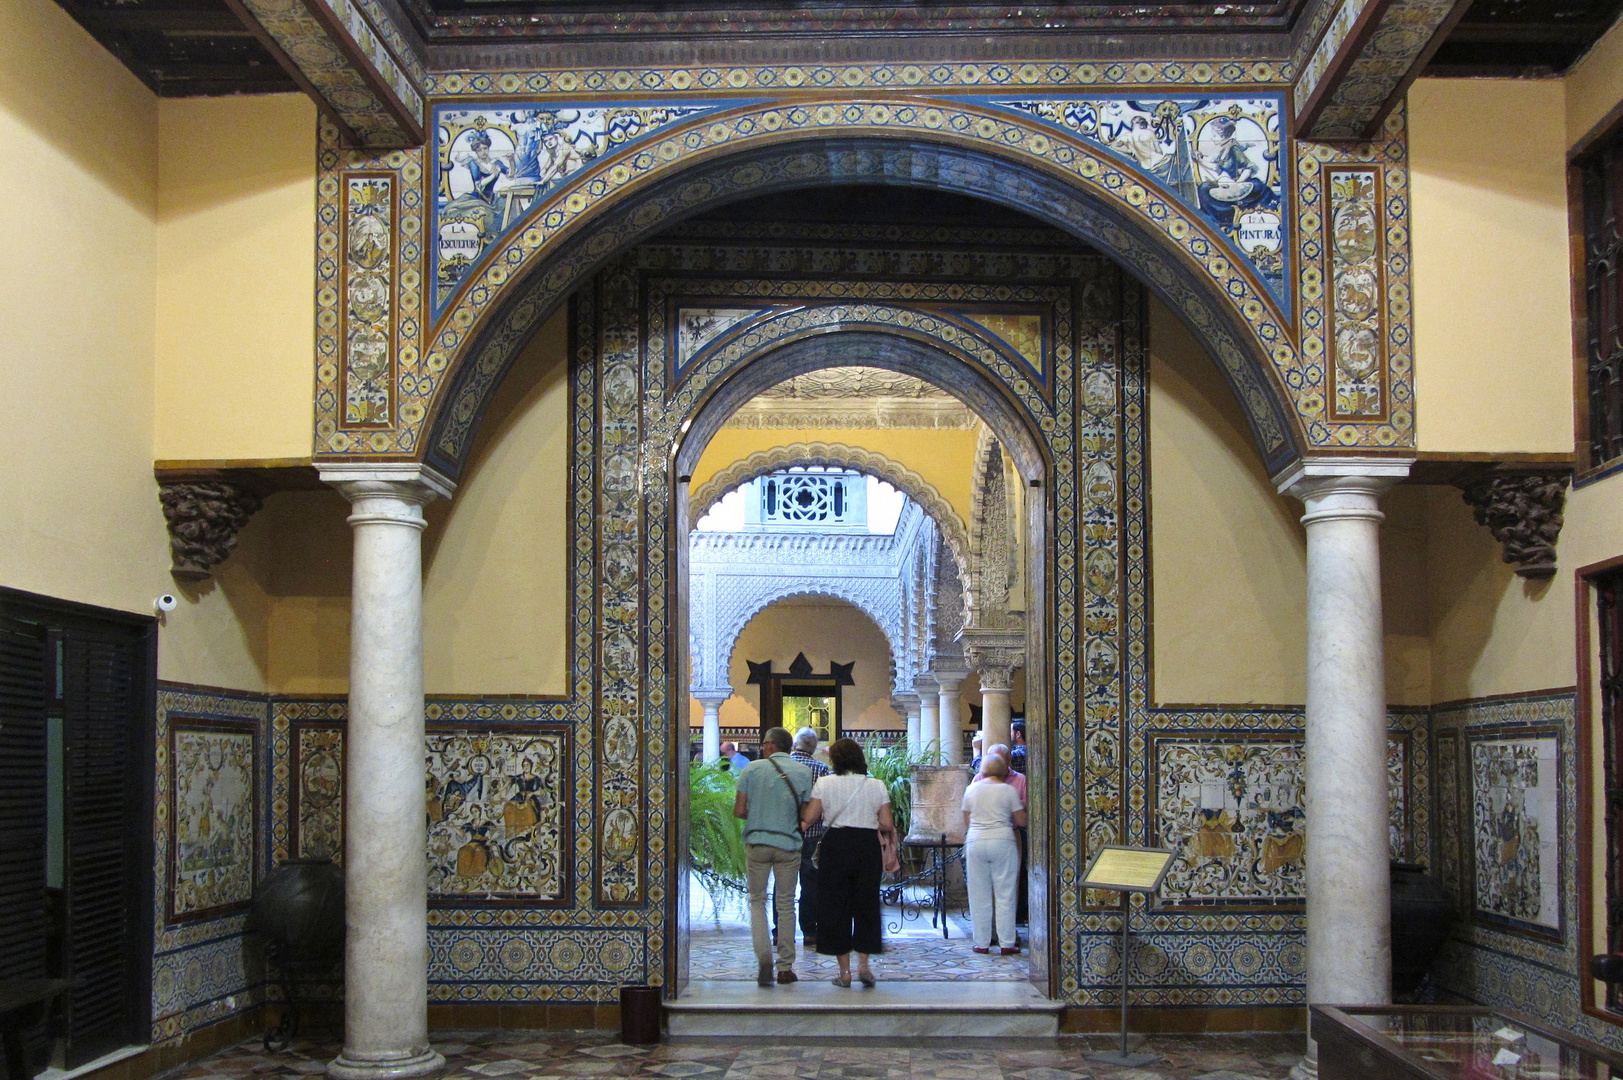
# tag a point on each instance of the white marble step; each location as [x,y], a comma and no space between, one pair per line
[889,1010]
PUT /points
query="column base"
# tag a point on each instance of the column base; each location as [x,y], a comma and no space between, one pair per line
[406,1065]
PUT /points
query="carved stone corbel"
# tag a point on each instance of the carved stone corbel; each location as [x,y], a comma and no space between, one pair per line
[204,520]
[1523,510]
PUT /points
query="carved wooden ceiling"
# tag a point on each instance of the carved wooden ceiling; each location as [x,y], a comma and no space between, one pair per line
[183,48]
[1522,37]
[207,47]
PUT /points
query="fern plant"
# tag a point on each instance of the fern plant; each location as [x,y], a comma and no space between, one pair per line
[716,838]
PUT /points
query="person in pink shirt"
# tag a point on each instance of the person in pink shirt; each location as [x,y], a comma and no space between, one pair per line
[1014,780]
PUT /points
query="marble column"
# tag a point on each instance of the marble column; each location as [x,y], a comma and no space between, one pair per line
[929,714]
[712,701]
[908,706]
[996,684]
[385,844]
[951,727]
[1348,916]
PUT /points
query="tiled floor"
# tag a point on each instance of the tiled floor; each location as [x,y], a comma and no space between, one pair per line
[914,950]
[534,1055]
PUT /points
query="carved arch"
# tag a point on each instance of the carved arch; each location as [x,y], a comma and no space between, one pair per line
[604,210]
[832,589]
[839,455]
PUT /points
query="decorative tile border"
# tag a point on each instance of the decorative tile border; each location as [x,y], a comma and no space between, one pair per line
[367,286]
[775,78]
[1356,332]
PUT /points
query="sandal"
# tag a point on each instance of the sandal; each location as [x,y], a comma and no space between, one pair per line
[843,982]
[866,979]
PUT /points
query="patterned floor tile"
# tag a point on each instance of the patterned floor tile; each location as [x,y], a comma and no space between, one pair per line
[684,1069]
[915,951]
[615,1050]
[865,1072]
[506,1067]
[532,1055]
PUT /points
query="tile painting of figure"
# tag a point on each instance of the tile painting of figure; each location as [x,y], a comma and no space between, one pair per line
[212,847]
[1232,809]
[1516,831]
[496,827]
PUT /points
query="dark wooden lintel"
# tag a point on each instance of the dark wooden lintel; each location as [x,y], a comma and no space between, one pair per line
[261,475]
[1457,469]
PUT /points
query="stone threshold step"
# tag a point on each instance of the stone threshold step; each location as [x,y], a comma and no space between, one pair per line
[921,1010]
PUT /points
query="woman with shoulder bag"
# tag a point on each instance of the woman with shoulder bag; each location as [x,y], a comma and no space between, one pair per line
[855,809]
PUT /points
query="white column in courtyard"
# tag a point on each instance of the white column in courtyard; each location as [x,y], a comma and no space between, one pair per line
[1348,915]
[908,705]
[951,728]
[995,654]
[385,844]
[929,714]
[996,684]
[712,700]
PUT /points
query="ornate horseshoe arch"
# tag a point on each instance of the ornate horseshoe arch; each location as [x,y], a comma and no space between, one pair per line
[757,150]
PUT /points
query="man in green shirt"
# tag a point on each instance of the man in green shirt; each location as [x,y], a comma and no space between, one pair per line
[771,792]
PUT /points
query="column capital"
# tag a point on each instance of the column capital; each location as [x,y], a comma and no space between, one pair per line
[995,654]
[905,702]
[925,684]
[407,480]
[948,674]
[388,492]
[1342,489]
[712,698]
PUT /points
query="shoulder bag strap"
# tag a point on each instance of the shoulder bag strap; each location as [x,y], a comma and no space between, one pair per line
[794,795]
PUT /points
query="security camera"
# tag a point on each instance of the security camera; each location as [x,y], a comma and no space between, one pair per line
[166,602]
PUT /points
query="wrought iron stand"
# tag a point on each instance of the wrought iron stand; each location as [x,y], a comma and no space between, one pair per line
[941,853]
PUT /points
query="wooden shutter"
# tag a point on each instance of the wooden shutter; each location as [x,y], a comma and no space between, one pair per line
[23,692]
[101,710]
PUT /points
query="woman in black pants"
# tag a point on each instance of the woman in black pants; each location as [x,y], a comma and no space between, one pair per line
[854,807]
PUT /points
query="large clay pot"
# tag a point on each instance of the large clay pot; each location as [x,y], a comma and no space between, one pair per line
[299,907]
[1421,914]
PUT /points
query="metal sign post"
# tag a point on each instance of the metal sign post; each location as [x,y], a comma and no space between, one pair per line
[1127,870]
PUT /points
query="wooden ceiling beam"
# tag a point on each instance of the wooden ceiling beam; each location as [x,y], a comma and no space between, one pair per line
[340,54]
[1361,64]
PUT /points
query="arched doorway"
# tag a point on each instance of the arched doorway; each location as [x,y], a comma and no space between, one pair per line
[1092,199]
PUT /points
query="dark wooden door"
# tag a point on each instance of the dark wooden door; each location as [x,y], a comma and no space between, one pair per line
[96,670]
[105,825]
[23,692]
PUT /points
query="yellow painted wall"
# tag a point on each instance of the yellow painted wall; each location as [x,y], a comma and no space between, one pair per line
[495,592]
[945,458]
[1228,554]
[1228,561]
[236,277]
[79,232]
[1594,85]
[1492,300]
[825,630]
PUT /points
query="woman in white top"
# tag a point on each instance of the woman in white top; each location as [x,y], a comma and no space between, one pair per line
[992,811]
[854,808]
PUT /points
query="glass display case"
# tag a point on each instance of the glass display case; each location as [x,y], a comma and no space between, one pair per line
[1440,1042]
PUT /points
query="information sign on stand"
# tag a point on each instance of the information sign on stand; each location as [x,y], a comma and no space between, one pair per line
[1127,870]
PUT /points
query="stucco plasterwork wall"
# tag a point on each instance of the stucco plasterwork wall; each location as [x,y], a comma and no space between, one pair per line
[732,577]
[894,473]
